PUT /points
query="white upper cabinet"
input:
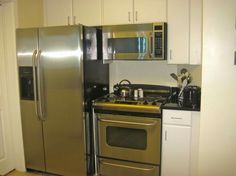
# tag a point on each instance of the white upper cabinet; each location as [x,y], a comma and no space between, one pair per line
[87,12]
[146,11]
[178,31]
[195,32]
[71,12]
[184,31]
[57,12]
[117,12]
[133,11]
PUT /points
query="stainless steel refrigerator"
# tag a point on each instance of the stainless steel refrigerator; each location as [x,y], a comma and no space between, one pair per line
[52,68]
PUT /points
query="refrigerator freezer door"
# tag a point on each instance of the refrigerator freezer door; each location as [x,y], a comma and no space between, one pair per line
[62,86]
[32,136]
[27,42]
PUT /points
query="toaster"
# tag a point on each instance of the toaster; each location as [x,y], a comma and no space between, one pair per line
[192,97]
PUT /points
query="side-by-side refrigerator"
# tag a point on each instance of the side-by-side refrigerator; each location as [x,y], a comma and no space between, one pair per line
[53,93]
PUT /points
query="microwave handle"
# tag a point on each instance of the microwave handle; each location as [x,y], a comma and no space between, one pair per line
[150,46]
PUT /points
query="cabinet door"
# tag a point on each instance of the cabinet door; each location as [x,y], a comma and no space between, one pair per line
[87,12]
[178,17]
[176,150]
[149,11]
[117,12]
[195,32]
[57,12]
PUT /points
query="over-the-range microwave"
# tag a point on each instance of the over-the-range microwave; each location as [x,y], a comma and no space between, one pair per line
[135,42]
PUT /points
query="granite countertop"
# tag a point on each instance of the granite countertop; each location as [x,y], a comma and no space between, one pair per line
[175,106]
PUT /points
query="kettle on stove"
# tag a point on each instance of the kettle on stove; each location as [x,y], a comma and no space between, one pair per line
[191,97]
[123,88]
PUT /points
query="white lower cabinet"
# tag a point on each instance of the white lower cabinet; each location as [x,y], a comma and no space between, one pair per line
[179,143]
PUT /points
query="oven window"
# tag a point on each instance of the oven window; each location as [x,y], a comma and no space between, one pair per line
[126,137]
[127,45]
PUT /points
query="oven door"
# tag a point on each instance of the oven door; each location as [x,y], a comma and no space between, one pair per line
[129,138]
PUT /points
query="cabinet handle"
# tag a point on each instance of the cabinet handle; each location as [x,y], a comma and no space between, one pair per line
[150,46]
[176,118]
[165,135]
[129,19]
[170,54]
[68,20]
[235,23]
[74,19]
[136,15]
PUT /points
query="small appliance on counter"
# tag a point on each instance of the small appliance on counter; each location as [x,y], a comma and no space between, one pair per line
[191,97]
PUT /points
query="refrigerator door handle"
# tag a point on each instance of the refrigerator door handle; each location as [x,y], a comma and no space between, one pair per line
[35,84]
[39,88]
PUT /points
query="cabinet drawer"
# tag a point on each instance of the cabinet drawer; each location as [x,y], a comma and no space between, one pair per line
[177,117]
[109,167]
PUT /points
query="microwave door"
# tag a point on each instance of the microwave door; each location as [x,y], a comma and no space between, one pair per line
[129,46]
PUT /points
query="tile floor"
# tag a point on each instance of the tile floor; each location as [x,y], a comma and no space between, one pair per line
[17,173]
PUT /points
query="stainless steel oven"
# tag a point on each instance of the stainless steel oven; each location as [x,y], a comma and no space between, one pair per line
[129,138]
[128,132]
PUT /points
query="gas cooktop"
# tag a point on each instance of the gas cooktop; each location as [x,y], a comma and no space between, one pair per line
[150,103]
[116,103]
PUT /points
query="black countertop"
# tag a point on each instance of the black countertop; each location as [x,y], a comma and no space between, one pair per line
[175,106]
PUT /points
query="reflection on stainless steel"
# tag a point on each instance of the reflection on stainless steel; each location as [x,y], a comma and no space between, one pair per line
[62,54]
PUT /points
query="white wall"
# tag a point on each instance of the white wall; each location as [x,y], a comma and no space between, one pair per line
[142,72]
[218,111]
[151,72]
[12,84]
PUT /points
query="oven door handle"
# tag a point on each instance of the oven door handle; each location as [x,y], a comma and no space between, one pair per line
[150,168]
[128,123]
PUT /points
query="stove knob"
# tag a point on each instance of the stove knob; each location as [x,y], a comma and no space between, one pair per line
[107,100]
[145,102]
[154,103]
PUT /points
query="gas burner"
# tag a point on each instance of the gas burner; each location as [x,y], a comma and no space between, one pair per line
[154,97]
[130,104]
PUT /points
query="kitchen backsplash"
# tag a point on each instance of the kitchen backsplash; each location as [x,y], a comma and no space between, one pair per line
[150,72]
[196,72]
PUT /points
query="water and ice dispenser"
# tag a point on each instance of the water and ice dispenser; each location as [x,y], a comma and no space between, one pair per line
[26,83]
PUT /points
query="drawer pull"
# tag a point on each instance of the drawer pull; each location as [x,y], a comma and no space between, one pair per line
[176,118]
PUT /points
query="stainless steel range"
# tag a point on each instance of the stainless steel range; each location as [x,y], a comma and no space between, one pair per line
[128,132]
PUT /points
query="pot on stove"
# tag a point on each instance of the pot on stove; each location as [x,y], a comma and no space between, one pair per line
[123,88]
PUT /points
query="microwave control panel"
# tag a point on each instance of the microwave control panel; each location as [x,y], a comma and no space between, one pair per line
[160,38]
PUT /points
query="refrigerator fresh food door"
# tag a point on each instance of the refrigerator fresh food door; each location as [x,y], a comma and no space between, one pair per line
[27,44]
[61,79]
